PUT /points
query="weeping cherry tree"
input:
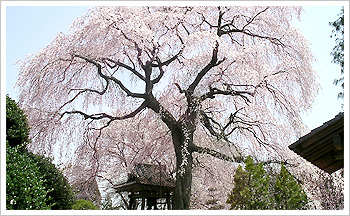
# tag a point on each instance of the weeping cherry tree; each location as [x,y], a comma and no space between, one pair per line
[221,80]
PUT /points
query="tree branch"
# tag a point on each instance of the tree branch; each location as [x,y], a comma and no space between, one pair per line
[107,78]
[99,116]
[253,18]
[229,28]
[215,91]
[161,64]
[213,62]
[126,90]
[169,61]
[118,63]
[83,91]
[239,159]
[217,154]
[234,123]
[165,115]
[99,71]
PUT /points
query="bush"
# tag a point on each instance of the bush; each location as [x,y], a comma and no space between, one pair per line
[17,130]
[82,204]
[59,189]
[24,184]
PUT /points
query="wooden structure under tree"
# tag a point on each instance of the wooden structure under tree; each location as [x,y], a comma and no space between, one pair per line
[324,146]
[148,186]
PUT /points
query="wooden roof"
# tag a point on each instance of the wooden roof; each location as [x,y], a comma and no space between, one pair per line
[324,146]
[147,177]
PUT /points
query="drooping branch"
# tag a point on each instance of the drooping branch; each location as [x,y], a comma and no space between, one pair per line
[254,17]
[81,91]
[218,130]
[126,90]
[139,50]
[234,123]
[206,121]
[229,27]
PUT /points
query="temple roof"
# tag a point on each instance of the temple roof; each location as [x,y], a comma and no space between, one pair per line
[324,146]
[147,177]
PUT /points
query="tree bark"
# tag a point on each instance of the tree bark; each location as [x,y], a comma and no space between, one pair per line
[183,141]
[182,192]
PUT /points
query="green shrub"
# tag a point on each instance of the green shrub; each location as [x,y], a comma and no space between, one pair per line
[59,189]
[24,184]
[82,204]
[17,130]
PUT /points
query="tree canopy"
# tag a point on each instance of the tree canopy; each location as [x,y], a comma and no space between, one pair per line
[223,82]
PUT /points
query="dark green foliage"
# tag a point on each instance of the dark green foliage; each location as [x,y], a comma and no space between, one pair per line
[254,190]
[288,193]
[17,130]
[251,187]
[338,50]
[237,199]
[33,182]
[24,184]
[82,204]
[60,190]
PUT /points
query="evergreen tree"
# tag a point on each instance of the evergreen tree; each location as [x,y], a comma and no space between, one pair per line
[82,204]
[254,190]
[251,190]
[236,198]
[288,193]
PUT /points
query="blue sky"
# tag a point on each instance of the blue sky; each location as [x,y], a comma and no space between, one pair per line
[30,28]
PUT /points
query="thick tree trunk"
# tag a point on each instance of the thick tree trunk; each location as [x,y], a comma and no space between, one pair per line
[183,140]
[182,135]
[182,193]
